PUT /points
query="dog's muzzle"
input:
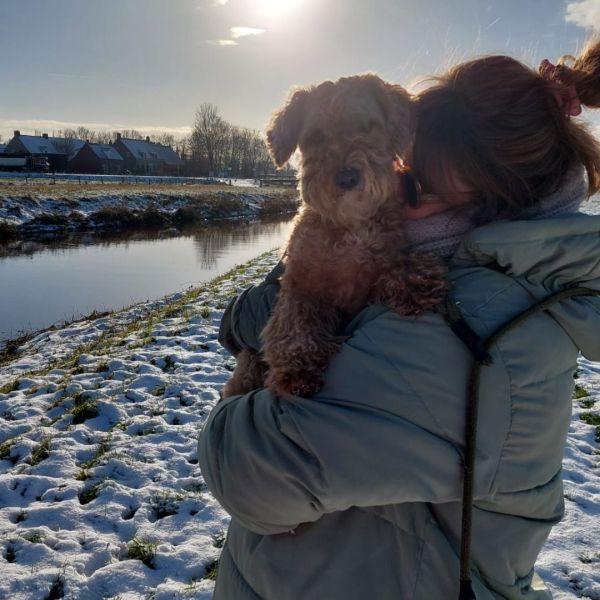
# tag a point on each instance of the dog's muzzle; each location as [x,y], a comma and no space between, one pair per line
[347,178]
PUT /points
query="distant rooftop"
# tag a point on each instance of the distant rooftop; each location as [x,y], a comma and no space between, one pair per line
[151,151]
[41,144]
[105,152]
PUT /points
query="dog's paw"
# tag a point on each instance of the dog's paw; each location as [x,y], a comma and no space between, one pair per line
[284,383]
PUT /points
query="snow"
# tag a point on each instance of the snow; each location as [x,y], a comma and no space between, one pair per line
[126,473]
[29,210]
[128,470]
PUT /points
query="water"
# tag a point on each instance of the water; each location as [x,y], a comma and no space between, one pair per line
[49,283]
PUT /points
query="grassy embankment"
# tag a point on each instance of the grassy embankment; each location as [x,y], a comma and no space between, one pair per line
[69,206]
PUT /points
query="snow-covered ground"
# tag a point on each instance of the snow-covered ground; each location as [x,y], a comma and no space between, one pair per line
[100,492]
[71,207]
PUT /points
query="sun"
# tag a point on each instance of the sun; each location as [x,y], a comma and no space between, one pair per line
[276,8]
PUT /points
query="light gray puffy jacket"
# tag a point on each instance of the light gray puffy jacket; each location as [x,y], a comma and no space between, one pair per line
[355,493]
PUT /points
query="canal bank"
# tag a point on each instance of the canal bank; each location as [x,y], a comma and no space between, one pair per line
[60,208]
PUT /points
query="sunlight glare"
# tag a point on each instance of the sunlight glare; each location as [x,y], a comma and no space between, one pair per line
[276,8]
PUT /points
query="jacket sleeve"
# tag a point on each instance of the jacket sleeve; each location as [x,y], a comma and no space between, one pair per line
[275,463]
[246,315]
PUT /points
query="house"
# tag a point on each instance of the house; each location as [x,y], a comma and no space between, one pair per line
[144,157]
[2,148]
[56,150]
[97,158]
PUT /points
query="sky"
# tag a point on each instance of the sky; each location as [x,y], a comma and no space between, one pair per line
[148,64]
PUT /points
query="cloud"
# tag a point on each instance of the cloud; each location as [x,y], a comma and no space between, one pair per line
[222,42]
[238,32]
[28,126]
[585,13]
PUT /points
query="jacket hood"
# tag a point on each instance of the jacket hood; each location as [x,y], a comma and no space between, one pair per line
[546,256]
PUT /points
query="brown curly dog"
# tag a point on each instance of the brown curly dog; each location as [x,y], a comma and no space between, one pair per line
[346,249]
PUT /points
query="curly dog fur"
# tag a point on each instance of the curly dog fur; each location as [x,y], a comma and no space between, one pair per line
[346,249]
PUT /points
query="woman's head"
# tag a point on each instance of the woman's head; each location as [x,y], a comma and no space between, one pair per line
[500,129]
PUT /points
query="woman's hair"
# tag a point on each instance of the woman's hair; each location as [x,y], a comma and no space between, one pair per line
[501,128]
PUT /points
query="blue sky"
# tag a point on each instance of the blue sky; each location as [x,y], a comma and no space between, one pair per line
[148,64]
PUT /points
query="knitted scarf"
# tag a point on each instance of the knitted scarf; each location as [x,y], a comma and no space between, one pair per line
[441,233]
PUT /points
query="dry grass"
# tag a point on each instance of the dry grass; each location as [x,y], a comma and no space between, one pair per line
[66,188]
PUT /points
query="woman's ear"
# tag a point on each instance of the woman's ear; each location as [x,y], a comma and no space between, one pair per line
[284,131]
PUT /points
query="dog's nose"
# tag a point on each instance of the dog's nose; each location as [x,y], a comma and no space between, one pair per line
[347,178]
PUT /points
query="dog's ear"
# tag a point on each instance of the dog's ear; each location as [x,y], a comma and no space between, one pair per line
[284,131]
[399,111]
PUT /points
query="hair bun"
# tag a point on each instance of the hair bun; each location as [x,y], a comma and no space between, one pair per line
[583,72]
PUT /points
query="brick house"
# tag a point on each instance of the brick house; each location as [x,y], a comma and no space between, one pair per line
[97,158]
[144,157]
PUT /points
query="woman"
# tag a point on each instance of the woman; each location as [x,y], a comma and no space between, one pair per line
[356,492]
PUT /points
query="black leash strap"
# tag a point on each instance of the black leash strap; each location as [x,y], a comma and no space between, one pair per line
[481,352]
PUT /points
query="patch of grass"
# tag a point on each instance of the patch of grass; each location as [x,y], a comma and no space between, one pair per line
[589,557]
[590,418]
[6,446]
[57,590]
[122,425]
[593,420]
[84,409]
[103,448]
[33,536]
[90,493]
[164,504]
[212,570]
[205,312]
[580,392]
[41,451]
[143,549]
[82,475]
[11,386]
[587,402]
[159,390]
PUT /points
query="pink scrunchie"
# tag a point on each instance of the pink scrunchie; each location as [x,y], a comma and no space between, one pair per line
[571,104]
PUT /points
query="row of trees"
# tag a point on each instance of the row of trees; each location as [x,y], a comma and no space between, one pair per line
[215,147]
[223,148]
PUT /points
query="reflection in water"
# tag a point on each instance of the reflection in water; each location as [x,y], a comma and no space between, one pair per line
[45,282]
[211,243]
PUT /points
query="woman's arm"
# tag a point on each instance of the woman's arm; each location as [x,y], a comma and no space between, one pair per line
[247,314]
[364,440]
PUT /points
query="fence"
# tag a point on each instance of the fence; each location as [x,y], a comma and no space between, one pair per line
[136,179]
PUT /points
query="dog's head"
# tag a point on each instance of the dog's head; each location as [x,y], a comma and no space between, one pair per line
[350,134]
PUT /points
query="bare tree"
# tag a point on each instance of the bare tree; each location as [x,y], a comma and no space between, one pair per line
[165,139]
[83,133]
[208,136]
[64,141]
[104,137]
